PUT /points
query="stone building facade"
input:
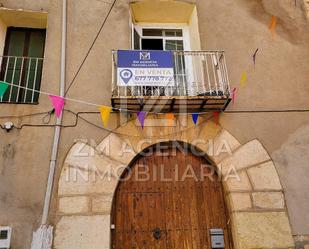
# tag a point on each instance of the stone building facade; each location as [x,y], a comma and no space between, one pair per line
[267,133]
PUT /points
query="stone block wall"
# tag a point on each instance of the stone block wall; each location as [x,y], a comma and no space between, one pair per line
[254,194]
[256,200]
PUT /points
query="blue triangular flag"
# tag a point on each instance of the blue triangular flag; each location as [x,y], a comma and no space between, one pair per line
[141,117]
[195,117]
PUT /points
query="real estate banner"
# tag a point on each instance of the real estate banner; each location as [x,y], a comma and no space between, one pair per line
[145,68]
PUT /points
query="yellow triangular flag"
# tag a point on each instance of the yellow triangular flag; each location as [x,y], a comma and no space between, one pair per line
[170,119]
[105,112]
[243,79]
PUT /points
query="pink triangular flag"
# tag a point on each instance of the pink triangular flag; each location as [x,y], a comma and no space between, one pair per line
[216,117]
[58,104]
[141,117]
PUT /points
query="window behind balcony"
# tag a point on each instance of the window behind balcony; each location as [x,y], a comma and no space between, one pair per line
[171,39]
[22,63]
[158,39]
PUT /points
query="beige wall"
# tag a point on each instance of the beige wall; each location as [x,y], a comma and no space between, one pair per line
[279,81]
[3,28]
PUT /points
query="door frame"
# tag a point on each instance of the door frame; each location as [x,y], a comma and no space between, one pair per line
[247,230]
[181,145]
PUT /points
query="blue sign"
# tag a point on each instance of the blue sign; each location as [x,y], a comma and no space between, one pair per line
[145,68]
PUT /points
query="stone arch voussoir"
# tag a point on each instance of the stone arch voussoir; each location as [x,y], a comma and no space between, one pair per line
[254,193]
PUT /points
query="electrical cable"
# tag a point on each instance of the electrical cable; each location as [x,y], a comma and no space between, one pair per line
[151,112]
[25,115]
[78,116]
[46,119]
[228,112]
[89,50]
[124,134]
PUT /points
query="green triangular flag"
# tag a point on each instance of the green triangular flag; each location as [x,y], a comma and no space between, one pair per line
[3,87]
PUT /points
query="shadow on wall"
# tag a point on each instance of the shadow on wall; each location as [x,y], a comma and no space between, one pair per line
[292,164]
[291,18]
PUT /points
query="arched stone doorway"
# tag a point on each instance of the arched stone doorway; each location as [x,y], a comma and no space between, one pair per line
[169,198]
[256,200]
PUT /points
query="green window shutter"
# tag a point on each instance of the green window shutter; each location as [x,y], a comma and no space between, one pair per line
[26,46]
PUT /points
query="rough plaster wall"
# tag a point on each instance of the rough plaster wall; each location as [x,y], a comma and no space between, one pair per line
[2,35]
[22,181]
[27,4]
[292,161]
[279,81]
[94,80]
[25,154]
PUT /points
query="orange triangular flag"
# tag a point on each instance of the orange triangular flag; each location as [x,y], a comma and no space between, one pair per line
[105,112]
[272,25]
[170,117]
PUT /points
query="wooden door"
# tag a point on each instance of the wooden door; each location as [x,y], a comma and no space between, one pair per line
[164,202]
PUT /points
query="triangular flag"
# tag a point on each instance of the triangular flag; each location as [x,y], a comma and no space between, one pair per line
[243,78]
[216,117]
[195,117]
[170,117]
[272,24]
[234,92]
[58,104]
[254,55]
[105,113]
[141,117]
[3,87]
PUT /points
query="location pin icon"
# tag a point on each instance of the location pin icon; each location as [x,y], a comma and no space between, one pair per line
[126,75]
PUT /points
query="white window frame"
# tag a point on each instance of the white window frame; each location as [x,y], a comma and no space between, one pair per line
[185,33]
[185,38]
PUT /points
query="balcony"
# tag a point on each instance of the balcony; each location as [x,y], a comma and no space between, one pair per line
[24,76]
[199,84]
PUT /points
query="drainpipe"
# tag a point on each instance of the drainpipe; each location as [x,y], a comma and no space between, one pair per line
[54,153]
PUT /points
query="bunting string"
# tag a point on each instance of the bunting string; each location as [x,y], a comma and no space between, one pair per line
[78,116]
[58,102]
[244,78]
[90,103]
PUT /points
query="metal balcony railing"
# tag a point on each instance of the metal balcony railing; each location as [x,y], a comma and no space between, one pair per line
[23,74]
[196,73]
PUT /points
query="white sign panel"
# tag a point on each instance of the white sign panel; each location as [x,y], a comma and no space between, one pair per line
[145,68]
